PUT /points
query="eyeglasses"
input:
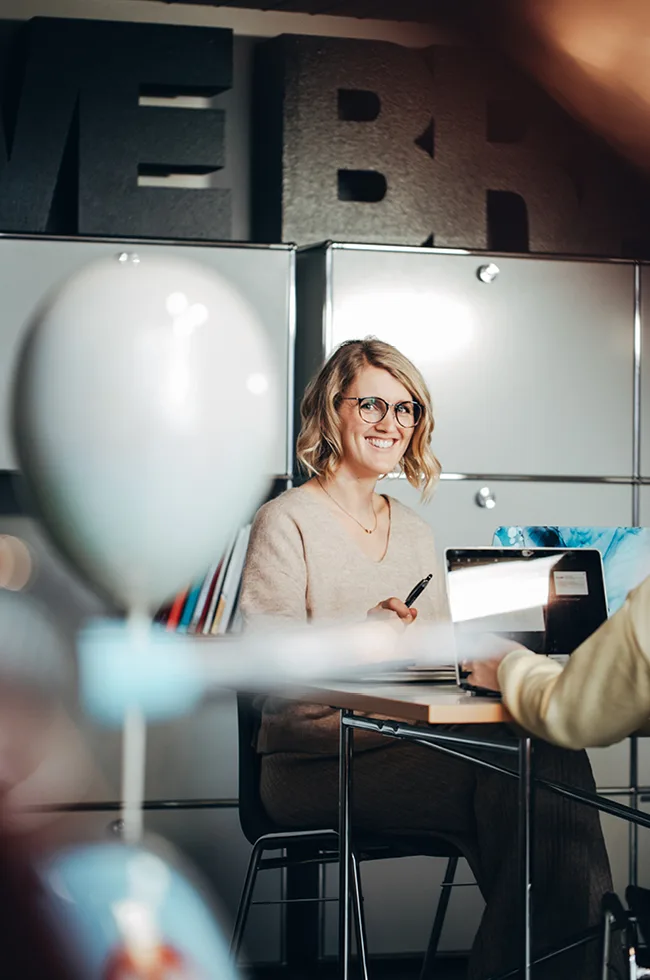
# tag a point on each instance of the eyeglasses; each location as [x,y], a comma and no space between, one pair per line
[372,409]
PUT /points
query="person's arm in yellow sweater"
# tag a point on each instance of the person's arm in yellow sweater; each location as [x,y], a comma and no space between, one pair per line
[599,697]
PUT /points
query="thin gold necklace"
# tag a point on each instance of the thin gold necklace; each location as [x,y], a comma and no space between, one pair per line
[368,530]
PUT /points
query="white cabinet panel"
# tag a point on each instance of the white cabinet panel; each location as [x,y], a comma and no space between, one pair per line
[194,757]
[531,373]
[644,506]
[29,268]
[616,838]
[458,521]
[643,746]
[611,765]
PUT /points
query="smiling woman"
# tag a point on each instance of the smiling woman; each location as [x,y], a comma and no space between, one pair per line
[334,548]
[369,373]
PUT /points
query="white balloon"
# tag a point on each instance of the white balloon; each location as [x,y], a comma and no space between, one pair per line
[145,406]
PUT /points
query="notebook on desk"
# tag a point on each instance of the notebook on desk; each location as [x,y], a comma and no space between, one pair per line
[548,599]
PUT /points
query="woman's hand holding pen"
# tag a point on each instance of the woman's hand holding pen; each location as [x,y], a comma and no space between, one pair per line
[394,611]
[400,613]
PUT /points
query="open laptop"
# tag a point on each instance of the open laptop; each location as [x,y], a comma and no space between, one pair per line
[548,599]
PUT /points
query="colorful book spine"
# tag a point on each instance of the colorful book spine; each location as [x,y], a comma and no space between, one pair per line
[212,611]
[176,610]
[208,600]
[232,581]
[209,606]
[189,607]
[202,598]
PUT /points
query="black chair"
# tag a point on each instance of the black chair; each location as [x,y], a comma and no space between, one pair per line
[319,847]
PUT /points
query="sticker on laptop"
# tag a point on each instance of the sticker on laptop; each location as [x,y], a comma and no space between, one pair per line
[570,583]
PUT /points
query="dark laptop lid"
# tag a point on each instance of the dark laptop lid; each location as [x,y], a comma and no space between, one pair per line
[548,599]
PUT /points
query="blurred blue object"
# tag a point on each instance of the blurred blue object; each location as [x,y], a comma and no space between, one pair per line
[625,551]
[120,667]
[133,913]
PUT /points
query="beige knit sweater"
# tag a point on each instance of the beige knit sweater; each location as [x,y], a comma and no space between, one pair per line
[603,693]
[302,565]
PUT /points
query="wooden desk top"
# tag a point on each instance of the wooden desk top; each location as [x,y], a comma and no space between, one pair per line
[437,704]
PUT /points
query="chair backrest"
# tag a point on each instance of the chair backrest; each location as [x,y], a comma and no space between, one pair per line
[253,817]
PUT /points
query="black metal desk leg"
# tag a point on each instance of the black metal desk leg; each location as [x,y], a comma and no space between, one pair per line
[525,849]
[345,842]
[633,830]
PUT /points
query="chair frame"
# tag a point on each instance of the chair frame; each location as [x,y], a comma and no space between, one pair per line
[321,847]
[326,851]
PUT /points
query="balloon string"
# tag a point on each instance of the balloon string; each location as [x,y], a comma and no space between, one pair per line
[134,741]
[134,749]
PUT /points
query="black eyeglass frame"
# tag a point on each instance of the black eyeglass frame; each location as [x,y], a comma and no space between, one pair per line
[393,405]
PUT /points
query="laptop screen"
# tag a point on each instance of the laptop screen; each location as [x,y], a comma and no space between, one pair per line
[548,599]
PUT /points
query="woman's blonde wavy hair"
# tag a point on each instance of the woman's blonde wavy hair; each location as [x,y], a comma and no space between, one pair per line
[318,447]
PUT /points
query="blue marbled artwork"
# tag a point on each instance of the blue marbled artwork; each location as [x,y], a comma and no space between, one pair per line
[625,551]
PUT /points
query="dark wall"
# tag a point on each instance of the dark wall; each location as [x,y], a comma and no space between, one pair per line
[76,139]
[350,140]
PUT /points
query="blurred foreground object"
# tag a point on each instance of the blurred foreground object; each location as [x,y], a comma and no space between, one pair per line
[134,913]
[145,404]
[43,758]
[591,55]
[32,652]
[166,675]
[15,563]
[31,949]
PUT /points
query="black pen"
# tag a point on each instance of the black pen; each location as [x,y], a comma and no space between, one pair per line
[417,591]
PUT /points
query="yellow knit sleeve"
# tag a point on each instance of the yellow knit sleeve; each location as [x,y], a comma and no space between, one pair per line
[600,696]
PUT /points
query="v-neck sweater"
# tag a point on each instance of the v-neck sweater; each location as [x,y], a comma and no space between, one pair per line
[302,565]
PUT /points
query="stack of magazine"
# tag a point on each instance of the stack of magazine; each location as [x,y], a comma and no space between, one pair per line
[209,606]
